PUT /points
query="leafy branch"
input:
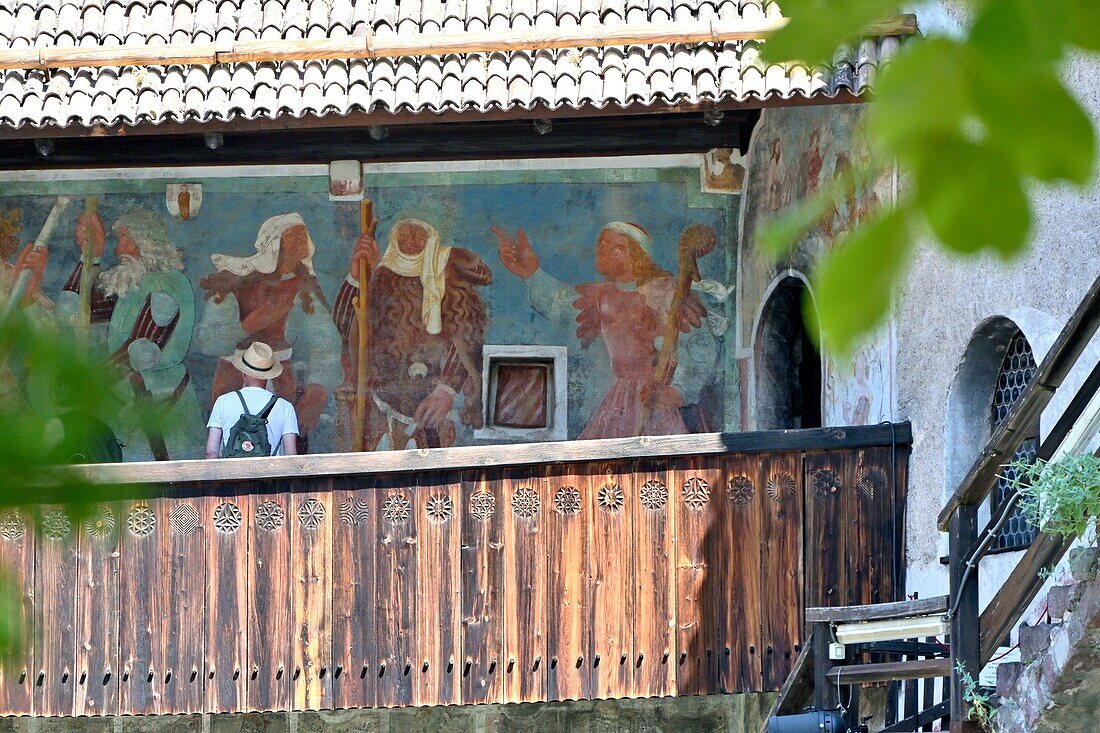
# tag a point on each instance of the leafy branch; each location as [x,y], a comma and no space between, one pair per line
[1062,497]
[974,122]
[979,707]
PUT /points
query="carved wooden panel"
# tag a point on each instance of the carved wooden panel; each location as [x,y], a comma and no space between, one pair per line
[17,556]
[482,601]
[395,583]
[227,600]
[310,519]
[270,664]
[654,578]
[96,664]
[568,593]
[354,628]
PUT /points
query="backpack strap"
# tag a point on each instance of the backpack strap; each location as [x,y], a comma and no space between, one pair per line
[244,405]
[270,406]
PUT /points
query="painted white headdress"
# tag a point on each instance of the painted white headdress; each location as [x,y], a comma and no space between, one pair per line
[430,266]
[634,232]
[268,239]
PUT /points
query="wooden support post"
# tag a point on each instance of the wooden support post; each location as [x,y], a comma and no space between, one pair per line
[965,649]
[825,692]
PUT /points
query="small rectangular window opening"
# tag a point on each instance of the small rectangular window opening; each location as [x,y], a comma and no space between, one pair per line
[521,393]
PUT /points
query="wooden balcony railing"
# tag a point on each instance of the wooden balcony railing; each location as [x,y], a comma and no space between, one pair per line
[621,568]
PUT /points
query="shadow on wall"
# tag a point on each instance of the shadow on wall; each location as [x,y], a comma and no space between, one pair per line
[788,367]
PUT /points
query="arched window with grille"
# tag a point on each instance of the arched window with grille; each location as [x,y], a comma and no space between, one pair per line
[1017,369]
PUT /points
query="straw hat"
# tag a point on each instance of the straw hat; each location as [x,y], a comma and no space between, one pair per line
[257,361]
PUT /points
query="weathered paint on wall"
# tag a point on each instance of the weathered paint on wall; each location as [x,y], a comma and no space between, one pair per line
[191,274]
[795,153]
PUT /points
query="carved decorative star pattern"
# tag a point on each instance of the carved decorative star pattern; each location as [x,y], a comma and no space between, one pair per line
[396,509]
[141,521]
[525,502]
[780,486]
[740,490]
[872,479]
[567,501]
[353,511]
[654,494]
[227,517]
[12,526]
[610,497]
[439,508]
[184,519]
[482,505]
[56,525]
[269,516]
[101,524]
[696,492]
[826,482]
[311,514]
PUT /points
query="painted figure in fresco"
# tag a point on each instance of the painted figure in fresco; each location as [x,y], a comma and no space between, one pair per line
[273,297]
[776,195]
[148,307]
[629,311]
[812,162]
[428,324]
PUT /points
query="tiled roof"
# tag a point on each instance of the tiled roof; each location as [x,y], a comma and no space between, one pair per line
[570,78]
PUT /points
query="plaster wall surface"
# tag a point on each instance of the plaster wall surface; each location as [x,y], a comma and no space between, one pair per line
[945,299]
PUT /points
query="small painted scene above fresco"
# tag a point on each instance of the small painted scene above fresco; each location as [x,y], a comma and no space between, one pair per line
[409,305]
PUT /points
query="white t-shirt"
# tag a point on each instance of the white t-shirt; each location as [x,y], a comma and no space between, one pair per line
[281,421]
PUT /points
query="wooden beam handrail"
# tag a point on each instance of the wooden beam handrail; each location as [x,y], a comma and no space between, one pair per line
[429,459]
[1061,358]
[878,611]
[855,674]
[390,46]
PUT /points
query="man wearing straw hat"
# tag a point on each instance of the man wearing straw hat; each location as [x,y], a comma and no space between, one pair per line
[257,365]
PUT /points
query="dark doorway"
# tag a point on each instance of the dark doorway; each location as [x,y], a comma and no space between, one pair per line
[788,367]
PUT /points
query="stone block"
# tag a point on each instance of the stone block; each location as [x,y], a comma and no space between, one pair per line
[1034,640]
[1060,599]
[1008,673]
[1082,562]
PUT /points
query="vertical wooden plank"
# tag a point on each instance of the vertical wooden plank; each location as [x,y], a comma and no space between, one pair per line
[860,513]
[482,567]
[55,613]
[781,609]
[227,601]
[141,608]
[396,595]
[438,590]
[311,596]
[180,656]
[354,645]
[654,532]
[746,488]
[825,520]
[97,662]
[17,542]
[694,483]
[568,633]
[269,629]
[527,498]
[610,563]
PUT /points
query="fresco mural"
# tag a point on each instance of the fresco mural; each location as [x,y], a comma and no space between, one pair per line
[793,153]
[626,266]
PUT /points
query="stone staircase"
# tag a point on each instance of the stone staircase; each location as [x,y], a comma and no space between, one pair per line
[1056,684]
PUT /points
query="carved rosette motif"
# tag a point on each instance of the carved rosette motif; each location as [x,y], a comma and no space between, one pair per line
[482,505]
[872,480]
[567,501]
[101,524]
[141,521]
[269,516]
[654,494]
[740,489]
[227,517]
[439,508]
[184,519]
[396,509]
[12,526]
[311,514]
[56,525]
[780,486]
[696,492]
[525,502]
[610,497]
[826,482]
[353,511]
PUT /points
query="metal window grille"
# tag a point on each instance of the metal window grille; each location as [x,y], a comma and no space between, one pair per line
[1017,369]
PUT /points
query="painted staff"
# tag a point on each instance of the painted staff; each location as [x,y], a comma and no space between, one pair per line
[89,269]
[696,241]
[361,303]
[43,241]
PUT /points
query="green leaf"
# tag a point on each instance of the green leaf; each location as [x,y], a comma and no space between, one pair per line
[1083,23]
[1017,34]
[1036,121]
[923,91]
[819,27]
[854,284]
[973,197]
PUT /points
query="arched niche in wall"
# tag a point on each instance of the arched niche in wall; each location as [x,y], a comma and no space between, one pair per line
[787,365]
[995,368]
